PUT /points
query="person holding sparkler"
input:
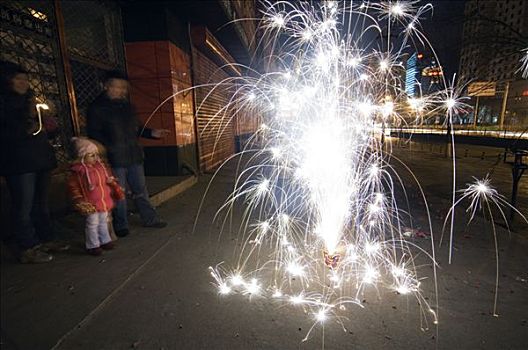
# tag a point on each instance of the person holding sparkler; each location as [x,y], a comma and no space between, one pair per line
[26,161]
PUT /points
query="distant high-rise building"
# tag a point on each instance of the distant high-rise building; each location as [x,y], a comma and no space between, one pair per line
[431,76]
[422,75]
[411,73]
[493,35]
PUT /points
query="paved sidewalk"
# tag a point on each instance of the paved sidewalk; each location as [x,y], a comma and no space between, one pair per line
[61,293]
[154,290]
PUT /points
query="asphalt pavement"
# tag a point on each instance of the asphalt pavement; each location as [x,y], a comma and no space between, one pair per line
[155,291]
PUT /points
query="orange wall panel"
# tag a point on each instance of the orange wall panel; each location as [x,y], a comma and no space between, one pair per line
[169,124]
[180,64]
[165,91]
[141,59]
[163,63]
[144,94]
[158,70]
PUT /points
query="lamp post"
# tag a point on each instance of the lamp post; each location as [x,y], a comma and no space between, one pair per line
[39,107]
[475,113]
[504,102]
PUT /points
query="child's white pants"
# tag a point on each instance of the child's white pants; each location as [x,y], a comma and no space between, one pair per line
[97,230]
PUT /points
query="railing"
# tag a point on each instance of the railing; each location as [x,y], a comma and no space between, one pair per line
[505,134]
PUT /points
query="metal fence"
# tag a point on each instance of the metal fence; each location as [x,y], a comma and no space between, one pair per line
[94,39]
[28,36]
[91,33]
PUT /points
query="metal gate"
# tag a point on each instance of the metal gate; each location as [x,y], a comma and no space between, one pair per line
[94,39]
[215,124]
[66,46]
[29,37]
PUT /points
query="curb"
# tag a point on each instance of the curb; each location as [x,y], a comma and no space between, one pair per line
[165,195]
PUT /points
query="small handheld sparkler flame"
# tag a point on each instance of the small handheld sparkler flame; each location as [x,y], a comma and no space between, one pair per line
[40,107]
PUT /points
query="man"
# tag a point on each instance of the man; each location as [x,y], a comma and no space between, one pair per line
[113,122]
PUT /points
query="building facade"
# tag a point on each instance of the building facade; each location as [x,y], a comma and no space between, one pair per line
[175,63]
[494,35]
[67,46]
[411,75]
[423,75]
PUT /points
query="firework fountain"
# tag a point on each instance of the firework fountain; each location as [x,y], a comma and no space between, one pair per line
[322,223]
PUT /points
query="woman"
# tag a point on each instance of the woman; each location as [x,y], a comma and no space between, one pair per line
[26,161]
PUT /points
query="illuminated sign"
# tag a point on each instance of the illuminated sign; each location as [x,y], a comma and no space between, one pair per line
[432,72]
[482,88]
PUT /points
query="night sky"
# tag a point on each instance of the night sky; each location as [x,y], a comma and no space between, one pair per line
[442,27]
[444,30]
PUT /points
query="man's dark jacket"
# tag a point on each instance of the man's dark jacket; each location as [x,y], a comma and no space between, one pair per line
[114,123]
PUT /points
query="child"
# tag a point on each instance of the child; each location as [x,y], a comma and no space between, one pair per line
[94,191]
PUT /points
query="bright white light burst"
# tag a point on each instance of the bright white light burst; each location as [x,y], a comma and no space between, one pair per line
[322,224]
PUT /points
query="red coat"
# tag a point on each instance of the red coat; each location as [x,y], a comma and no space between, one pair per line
[93,184]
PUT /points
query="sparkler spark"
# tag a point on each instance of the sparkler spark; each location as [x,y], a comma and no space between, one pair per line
[483,196]
[450,103]
[524,64]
